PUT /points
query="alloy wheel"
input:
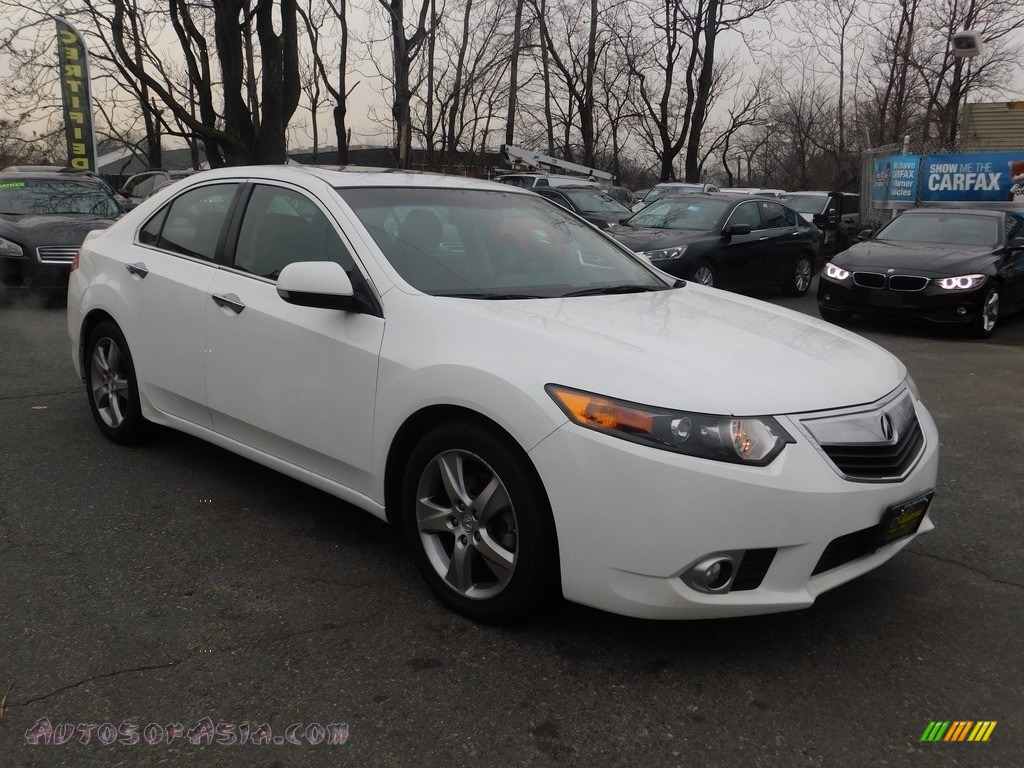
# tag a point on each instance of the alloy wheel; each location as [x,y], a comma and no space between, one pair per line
[467,524]
[109,382]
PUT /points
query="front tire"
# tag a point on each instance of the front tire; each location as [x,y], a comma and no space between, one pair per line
[112,386]
[704,273]
[987,321]
[800,277]
[479,524]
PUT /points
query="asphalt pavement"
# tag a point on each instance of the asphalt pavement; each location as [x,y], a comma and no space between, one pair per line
[176,587]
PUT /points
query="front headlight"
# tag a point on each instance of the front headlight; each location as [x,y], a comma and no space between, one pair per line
[754,440]
[961,283]
[835,273]
[7,248]
[665,254]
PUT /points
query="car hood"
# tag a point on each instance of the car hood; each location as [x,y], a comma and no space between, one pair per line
[935,259]
[692,348]
[56,229]
[640,239]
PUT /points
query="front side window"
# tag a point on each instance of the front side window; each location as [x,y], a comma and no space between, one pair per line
[193,221]
[776,216]
[487,244]
[282,226]
[745,213]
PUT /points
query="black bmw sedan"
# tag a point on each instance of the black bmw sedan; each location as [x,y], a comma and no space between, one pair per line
[727,241]
[44,217]
[958,266]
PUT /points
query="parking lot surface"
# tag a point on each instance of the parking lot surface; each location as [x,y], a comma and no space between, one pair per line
[172,583]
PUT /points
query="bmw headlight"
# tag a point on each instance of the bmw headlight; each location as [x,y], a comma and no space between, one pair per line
[754,440]
[835,273]
[960,283]
[665,254]
[7,248]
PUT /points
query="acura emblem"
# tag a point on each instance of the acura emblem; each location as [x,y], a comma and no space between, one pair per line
[890,271]
[888,428]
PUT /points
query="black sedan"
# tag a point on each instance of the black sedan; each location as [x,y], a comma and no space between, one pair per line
[44,217]
[728,241]
[963,266]
[588,202]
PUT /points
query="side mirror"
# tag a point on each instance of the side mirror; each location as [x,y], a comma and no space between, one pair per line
[865,234]
[318,284]
[737,229]
[1016,243]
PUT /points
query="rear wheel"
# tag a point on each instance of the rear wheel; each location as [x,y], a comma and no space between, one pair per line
[987,321]
[112,386]
[478,522]
[800,277]
[704,274]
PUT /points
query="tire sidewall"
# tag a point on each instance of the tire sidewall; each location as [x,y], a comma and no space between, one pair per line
[534,579]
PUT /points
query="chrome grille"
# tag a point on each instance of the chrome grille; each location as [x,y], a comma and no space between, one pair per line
[881,442]
[907,283]
[869,279]
[56,254]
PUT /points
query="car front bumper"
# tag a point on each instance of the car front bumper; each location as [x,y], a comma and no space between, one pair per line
[932,303]
[32,272]
[632,520]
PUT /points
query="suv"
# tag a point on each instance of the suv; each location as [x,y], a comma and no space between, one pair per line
[836,214]
[141,185]
[44,217]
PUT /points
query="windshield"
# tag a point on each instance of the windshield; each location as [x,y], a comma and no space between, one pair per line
[594,201]
[806,203]
[943,228]
[681,213]
[43,197]
[491,244]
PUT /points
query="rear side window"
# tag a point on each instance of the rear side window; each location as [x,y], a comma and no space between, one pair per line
[192,223]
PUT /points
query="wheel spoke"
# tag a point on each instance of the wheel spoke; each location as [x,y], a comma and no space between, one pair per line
[120,384]
[451,468]
[114,359]
[459,573]
[116,410]
[492,499]
[99,358]
[500,560]
[431,517]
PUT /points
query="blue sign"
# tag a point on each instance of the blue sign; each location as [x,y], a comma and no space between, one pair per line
[974,177]
[896,179]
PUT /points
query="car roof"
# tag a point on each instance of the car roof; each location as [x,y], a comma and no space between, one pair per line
[386,177]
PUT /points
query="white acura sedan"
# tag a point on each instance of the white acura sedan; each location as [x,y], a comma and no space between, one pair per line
[540,411]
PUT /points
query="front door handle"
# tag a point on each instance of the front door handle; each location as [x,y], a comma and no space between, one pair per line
[762,239]
[228,300]
[138,269]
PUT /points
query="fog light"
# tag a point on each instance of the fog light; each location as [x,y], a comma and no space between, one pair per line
[713,574]
[961,310]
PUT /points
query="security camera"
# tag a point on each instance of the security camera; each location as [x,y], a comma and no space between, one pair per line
[966,43]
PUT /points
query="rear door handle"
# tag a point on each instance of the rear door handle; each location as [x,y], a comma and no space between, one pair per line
[228,300]
[138,269]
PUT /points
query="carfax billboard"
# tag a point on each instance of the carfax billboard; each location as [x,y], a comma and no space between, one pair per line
[896,179]
[973,177]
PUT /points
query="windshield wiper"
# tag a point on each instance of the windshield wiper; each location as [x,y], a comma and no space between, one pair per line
[490,296]
[610,290]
